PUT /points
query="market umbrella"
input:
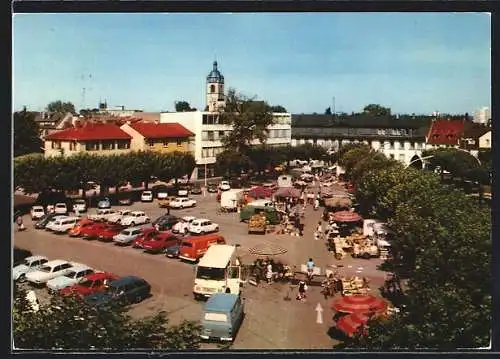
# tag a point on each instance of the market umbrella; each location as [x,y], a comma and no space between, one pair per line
[260,192]
[350,323]
[346,216]
[359,303]
[338,202]
[286,192]
[267,249]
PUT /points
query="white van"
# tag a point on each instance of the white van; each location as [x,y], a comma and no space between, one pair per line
[285,181]
[64,224]
[229,199]
[218,271]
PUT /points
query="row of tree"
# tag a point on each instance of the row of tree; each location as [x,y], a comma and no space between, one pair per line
[36,173]
[441,243]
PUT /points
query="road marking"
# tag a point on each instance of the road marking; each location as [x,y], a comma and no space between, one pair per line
[319,315]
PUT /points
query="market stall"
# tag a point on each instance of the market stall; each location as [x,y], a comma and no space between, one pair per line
[359,303]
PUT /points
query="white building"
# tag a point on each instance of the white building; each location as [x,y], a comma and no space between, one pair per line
[209,130]
[482,115]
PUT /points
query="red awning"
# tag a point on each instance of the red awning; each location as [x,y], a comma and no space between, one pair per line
[260,192]
[359,303]
[346,216]
[286,192]
[349,324]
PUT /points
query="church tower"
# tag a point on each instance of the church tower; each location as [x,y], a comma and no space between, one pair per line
[215,90]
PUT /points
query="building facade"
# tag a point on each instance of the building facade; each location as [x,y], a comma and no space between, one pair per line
[209,130]
[159,137]
[399,139]
[483,115]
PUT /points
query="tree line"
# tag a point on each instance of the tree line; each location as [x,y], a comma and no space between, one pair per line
[441,244]
[36,173]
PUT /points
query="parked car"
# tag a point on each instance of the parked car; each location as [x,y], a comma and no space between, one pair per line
[196,189]
[165,202]
[173,251]
[165,222]
[146,234]
[212,188]
[224,186]
[182,203]
[63,225]
[162,194]
[122,291]
[134,218]
[183,225]
[202,226]
[222,317]
[53,221]
[91,283]
[147,196]
[93,231]
[160,242]
[27,265]
[127,236]
[37,212]
[107,233]
[76,274]
[42,223]
[61,208]
[104,203]
[183,191]
[80,205]
[48,271]
[116,217]
[125,200]
[76,230]
[102,214]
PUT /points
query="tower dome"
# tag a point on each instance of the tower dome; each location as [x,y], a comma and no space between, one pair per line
[215,76]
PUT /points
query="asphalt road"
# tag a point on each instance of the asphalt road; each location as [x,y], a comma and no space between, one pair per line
[272,320]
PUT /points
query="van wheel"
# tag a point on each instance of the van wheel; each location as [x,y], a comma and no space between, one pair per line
[202,233]
[22,278]
[228,290]
[132,224]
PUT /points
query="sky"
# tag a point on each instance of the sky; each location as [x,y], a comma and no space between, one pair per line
[410,62]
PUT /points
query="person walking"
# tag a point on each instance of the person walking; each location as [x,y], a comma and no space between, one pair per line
[20,223]
[319,231]
[316,203]
[310,268]
[302,291]
[269,273]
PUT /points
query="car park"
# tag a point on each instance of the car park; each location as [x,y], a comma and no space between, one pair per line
[116,217]
[61,208]
[134,218]
[224,186]
[50,225]
[102,214]
[108,232]
[147,196]
[125,200]
[92,231]
[37,212]
[165,222]
[146,235]
[63,225]
[48,271]
[76,274]
[159,243]
[183,225]
[27,265]
[123,291]
[127,236]
[80,206]
[91,283]
[202,226]
[180,203]
[104,203]
[42,223]
[82,223]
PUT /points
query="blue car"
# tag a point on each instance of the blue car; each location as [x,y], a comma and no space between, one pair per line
[173,251]
[123,291]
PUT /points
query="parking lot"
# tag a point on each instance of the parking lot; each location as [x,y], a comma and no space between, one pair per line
[272,321]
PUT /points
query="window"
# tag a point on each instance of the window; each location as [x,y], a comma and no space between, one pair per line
[165,143]
[216,317]
[210,136]
[151,143]
[221,134]
[212,88]
[72,146]
[56,145]
[123,144]
[92,146]
[108,145]
[179,143]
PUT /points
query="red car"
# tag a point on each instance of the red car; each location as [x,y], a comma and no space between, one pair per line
[160,242]
[148,233]
[92,231]
[107,233]
[90,284]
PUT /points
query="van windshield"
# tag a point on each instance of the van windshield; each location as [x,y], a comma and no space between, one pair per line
[216,317]
[187,244]
[210,273]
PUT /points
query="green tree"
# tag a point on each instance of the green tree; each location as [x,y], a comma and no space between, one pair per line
[84,327]
[61,107]
[376,110]
[458,163]
[278,109]
[230,163]
[32,173]
[182,164]
[26,134]
[183,106]
[328,111]
[250,120]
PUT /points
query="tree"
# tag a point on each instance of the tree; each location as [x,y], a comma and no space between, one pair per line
[61,107]
[32,173]
[88,328]
[183,106]
[278,109]
[458,163]
[250,120]
[328,111]
[230,163]
[26,134]
[376,110]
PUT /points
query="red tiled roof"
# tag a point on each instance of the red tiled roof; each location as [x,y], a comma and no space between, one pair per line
[90,132]
[445,132]
[161,130]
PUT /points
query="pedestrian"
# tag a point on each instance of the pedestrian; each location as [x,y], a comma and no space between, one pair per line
[269,273]
[316,204]
[20,224]
[168,210]
[302,290]
[318,234]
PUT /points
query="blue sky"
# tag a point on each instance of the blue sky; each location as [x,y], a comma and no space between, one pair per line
[410,62]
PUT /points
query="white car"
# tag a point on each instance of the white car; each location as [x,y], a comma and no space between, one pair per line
[102,214]
[60,208]
[48,271]
[147,196]
[182,202]
[135,217]
[224,186]
[74,276]
[183,225]
[117,216]
[53,221]
[202,226]
[80,205]
[162,195]
[37,212]
[183,192]
[63,225]
[29,264]
[127,236]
